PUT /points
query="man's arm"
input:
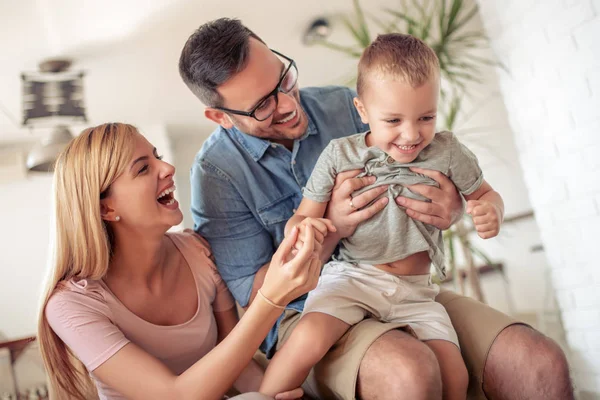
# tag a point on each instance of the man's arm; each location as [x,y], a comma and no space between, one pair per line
[446,206]
[240,244]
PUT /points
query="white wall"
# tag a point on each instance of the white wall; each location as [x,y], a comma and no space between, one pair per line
[25,210]
[184,150]
[483,126]
[25,213]
[553,96]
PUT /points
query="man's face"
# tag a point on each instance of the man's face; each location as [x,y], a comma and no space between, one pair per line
[250,86]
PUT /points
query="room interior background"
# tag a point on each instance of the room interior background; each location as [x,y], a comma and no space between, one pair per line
[536,136]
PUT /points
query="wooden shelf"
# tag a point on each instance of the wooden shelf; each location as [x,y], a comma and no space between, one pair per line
[482,270]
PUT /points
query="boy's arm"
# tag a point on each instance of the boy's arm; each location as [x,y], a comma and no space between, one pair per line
[307,208]
[311,212]
[486,207]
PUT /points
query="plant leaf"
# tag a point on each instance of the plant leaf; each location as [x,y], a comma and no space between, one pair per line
[362,26]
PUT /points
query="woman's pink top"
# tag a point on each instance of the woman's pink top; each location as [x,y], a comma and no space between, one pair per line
[95,325]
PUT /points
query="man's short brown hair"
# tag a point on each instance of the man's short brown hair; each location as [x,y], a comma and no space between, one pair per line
[403,57]
[212,55]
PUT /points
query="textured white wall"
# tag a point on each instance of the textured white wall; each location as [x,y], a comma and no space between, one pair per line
[552,95]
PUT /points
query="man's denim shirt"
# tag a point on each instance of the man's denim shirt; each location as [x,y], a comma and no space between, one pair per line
[244,189]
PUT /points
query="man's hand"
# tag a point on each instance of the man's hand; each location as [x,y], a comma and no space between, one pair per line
[445,207]
[486,217]
[345,211]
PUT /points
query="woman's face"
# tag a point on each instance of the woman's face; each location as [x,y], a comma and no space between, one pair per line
[142,197]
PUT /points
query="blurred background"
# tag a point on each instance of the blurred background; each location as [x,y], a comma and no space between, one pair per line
[522,90]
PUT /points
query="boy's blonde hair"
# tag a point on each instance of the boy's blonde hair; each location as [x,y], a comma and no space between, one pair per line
[403,57]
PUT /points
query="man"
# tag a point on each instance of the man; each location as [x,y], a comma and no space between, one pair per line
[246,183]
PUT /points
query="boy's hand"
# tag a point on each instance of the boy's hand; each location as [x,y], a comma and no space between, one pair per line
[486,217]
[320,226]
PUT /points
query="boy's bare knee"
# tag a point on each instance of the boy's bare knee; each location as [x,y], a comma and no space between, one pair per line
[308,343]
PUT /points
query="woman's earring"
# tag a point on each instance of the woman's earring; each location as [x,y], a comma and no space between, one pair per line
[117,218]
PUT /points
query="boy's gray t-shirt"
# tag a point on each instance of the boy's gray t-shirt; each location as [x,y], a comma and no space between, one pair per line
[391,234]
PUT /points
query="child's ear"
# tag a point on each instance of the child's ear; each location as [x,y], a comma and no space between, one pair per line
[219,117]
[361,110]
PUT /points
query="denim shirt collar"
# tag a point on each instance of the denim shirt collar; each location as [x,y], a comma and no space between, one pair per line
[256,147]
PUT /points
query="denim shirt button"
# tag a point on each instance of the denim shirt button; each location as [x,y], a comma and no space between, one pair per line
[390,160]
[273,145]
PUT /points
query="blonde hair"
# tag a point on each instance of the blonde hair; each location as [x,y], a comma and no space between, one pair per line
[83,174]
[403,57]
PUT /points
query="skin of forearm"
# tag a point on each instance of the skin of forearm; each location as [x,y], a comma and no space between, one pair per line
[250,379]
[215,373]
[494,197]
[259,279]
[292,222]
[329,244]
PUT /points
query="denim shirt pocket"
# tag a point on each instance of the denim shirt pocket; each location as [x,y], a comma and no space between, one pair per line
[276,213]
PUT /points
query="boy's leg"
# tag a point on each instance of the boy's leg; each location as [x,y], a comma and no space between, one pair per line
[337,374]
[366,348]
[455,378]
[309,342]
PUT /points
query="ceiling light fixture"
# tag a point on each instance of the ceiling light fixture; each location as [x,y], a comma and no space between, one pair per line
[52,97]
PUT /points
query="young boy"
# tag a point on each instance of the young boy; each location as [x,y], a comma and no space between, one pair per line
[383,268]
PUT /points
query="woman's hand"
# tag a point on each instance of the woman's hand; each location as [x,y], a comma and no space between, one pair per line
[291,395]
[321,228]
[293,273]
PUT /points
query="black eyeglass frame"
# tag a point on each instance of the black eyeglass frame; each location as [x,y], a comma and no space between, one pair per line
[274,93]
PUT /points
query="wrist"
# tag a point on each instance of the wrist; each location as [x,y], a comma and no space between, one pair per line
[273,293]
[277,303]
[499,212]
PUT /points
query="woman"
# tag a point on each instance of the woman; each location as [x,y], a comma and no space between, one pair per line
[131,311]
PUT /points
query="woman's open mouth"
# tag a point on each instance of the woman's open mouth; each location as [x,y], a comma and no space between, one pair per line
[167,199]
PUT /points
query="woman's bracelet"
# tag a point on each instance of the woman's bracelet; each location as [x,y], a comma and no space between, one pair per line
[269,301]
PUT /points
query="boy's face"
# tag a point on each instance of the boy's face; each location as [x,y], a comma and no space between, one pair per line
[402,118]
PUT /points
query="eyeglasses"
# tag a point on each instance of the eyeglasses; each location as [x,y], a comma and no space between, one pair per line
[268,104]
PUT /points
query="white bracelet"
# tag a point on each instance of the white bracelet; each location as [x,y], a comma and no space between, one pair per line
[269,301]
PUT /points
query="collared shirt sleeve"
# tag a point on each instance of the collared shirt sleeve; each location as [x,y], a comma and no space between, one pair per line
[322,180]
[239,243]
[464,168]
